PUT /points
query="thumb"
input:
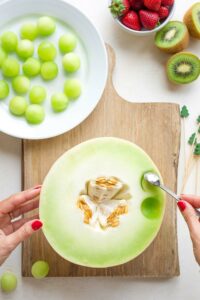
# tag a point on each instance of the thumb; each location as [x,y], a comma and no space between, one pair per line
[23,233]
[191,219]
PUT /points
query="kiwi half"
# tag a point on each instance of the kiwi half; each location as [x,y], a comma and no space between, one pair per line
[192,20]
[172,38]
[183,68]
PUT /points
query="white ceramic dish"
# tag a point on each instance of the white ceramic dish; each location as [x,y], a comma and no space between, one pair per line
[146,32]
[93,73]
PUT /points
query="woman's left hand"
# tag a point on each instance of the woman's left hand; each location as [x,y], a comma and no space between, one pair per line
[12,231]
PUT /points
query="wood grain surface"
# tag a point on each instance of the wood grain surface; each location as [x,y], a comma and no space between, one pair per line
[153,126]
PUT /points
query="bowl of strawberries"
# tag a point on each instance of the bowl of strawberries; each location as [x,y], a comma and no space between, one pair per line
[142,17]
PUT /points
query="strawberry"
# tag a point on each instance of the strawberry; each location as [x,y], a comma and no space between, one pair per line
[119,7]
[136,4]
[149,19]
[131,20]
[163,12]
[153,4]
[167,2]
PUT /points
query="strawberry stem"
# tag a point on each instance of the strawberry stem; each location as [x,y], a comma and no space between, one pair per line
[117,7]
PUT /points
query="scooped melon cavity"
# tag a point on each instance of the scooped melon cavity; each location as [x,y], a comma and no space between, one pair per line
[103,201]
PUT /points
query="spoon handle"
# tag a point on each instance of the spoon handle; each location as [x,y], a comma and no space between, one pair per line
[168,191]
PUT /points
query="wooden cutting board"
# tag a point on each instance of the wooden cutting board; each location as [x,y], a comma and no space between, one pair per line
[153,126]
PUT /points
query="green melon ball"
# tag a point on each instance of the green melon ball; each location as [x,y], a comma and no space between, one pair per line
[49,70]
[67,43]
[4,89]
[8,282]
[21,84]
[72,88]
[25,49]
[10,67]
[46,26]
[59,102]
[35,114]
[37,94]
[46,51]
[9,41]
[29,31]
[3,56]
[18,106]
[71,62]
[40,269]
[31,67]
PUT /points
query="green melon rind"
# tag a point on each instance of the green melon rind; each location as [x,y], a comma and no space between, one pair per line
[83,246]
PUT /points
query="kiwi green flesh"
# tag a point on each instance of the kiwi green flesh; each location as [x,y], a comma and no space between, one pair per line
[196,16]
[183,68]
[170,35]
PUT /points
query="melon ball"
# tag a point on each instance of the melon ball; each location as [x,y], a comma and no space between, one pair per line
[35,114]
[8,282]
[9,41]
[10,67]
[25,49]
[18,106]
[31,67]
[40,269]
[21,84]
[37,94]
[59,102]
[3,56]
[46,51]
[72,88]
[29,31]
[4,89]
[67,43]
[46,26]
[49,70]
[71,62]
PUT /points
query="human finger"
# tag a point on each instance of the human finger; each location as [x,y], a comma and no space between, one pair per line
[14,201]
[24,232]
[193,200]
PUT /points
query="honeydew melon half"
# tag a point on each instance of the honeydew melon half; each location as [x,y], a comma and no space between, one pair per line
[96,208]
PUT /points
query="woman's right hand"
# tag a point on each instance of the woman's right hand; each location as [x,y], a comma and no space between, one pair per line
[186,206]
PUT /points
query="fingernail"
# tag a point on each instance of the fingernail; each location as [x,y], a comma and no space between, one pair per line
[181,205]
[36,225]
[37,187]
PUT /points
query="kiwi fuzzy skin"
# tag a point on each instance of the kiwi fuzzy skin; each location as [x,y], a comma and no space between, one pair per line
[183,44]
[189,22]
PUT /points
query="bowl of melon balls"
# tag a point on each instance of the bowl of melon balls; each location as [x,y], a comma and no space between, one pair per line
[53,70]
[43,65]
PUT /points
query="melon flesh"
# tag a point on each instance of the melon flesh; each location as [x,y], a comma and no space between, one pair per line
[123,218]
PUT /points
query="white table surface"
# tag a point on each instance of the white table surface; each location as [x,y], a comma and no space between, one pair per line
[139,76]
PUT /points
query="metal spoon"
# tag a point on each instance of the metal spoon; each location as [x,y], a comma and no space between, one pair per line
[153,179]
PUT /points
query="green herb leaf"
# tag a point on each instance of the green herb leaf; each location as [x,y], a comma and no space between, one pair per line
[184,112]
[197,149]
[198,120]
[192,139]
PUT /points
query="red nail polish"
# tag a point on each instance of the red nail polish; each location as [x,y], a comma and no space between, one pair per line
[182,205]
[36,225]
[37,187]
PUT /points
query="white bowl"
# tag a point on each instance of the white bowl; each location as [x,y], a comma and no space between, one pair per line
[145,32]
[93,72]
